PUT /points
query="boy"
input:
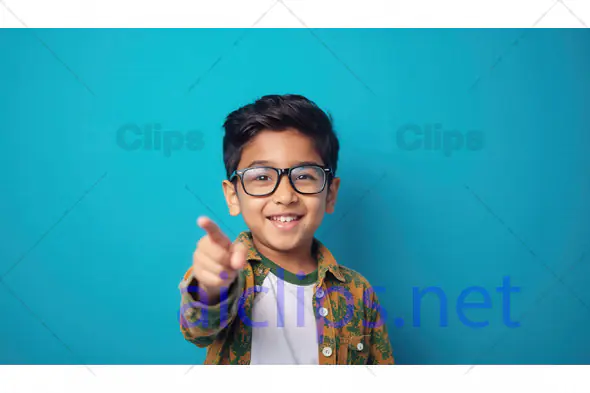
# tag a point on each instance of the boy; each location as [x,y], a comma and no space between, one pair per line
[276,294]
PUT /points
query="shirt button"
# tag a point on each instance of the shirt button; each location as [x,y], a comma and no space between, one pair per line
[327,351]
[359,346]
[323,311]
[319,293]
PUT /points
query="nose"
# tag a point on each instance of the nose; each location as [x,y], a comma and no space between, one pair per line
[284,194]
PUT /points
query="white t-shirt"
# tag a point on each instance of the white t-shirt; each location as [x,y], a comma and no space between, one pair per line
[284,305]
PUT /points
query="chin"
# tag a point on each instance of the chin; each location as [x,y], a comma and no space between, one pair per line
[282,242]
[284,239]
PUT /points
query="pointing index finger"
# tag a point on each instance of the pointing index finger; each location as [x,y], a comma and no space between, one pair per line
[213,231]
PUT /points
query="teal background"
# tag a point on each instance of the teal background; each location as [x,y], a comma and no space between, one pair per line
[95,238]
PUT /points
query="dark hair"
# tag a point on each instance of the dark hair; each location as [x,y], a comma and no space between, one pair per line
[277,113]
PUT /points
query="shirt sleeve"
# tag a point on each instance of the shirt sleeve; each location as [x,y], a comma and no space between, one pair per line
[380,351]
[200,323]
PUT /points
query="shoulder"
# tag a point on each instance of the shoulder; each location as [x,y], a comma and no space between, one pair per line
[358,286]
[347,276]
[353,278]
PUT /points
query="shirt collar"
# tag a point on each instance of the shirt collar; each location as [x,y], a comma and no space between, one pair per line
[326,261]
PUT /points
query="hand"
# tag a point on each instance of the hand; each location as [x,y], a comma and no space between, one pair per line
[216,261]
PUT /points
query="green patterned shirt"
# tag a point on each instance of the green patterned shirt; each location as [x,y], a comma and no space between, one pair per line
[350,321]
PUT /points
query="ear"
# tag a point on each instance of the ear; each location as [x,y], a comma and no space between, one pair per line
[231,197]
[332,195]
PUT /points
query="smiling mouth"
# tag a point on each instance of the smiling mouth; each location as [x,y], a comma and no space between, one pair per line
[285,218]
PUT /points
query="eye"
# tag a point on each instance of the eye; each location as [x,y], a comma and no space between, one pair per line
[307,175]
[262,178]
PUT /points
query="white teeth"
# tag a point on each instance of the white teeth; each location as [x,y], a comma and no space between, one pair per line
[283,218]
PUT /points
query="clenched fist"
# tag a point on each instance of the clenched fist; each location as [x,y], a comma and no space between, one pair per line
[216,261]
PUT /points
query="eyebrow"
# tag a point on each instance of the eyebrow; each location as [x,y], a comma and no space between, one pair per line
[267,163]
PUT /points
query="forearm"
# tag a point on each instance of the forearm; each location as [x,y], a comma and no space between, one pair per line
[204,315]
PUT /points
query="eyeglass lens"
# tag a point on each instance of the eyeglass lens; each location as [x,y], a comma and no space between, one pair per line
[262,180]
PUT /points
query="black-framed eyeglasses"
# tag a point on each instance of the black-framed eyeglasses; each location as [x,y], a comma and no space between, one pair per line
[264,180]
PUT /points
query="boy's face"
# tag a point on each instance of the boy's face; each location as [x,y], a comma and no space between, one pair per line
[282,149]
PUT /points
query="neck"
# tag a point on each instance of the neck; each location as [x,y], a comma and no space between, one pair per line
[295,261]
